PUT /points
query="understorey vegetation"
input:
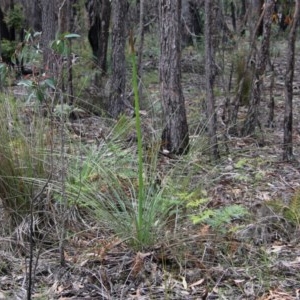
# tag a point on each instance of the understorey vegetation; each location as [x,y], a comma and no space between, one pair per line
[95,205]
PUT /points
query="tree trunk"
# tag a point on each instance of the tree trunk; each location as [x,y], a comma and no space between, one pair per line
[243,9]
[192,25]
[0,55]
[105,16]
[12,31]
[288,89]
[99,12]
[210,70]
[233,15]
[63,16]
[118,80]
[175,136]
[36,16]
[48,33]
[3,28]
[256,8]
[271,105]
[260,66]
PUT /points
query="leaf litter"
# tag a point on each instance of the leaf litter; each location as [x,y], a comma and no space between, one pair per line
[256,258]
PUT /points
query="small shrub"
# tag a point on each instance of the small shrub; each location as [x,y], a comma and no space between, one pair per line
[15,17]
[243,77]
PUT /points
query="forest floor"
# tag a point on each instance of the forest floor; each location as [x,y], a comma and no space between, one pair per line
[259,259]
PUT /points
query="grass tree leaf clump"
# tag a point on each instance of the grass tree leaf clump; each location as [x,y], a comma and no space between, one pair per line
[105,182]
[23,161]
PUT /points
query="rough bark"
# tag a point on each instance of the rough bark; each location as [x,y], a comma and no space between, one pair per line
[0,57]
[99,12]
[251,120]
[175,136]
[118,80]
[210,71]
[33,14]
[36,16]
[288,88]
[48,33]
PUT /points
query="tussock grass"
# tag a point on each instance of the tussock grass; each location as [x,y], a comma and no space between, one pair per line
[105,182]
[23,164]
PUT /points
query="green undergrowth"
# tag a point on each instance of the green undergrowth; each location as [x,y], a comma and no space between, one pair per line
[23,163]
[105,181]
[127,189]
[102,183]
[290,211]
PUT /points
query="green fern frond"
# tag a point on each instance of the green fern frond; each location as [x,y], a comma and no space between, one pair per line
[203,217]
[295,203]
[217,218]
[291,212]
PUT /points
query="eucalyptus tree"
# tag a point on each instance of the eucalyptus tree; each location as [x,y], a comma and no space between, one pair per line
[49,27]
[210,73]
[175,135]
[117,98]
[252,118]
[99,13]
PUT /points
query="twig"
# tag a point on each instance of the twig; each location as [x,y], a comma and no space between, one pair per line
[30,281]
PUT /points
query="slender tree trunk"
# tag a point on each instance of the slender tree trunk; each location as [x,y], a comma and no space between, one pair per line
[105,16]
[256,8]
[288,89]
[272,101]
[175,136]
[243,10]
[118,80]
[210,70]
[63,25]
[245,77]
[260,67]
[0,57]
[233,15]
[48,34]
